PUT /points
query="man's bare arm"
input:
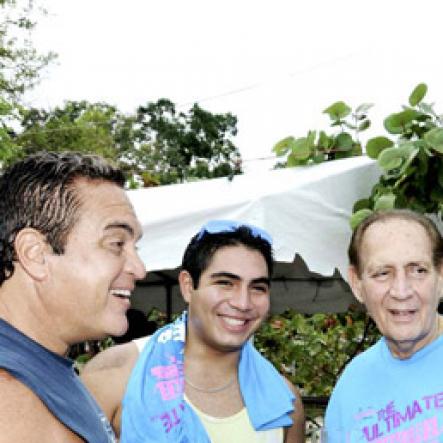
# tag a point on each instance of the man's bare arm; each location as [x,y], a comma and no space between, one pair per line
[106,377]
[24,418]
[296,433]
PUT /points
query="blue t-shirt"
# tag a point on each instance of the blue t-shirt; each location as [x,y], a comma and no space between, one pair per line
[382,399]
[53,379]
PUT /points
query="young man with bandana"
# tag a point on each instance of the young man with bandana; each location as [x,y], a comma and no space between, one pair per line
[200,379]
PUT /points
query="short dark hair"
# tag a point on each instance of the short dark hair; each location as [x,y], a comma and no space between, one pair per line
[202,248]
[39,192]
[395,214]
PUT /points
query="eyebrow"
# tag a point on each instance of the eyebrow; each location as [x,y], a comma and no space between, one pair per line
[117,225]
[225,274]
[264,280]
[392,265]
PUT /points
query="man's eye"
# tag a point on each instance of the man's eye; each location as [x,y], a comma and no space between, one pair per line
[261,288]
[117,244]
[226,283]
[380,275]
[419,270]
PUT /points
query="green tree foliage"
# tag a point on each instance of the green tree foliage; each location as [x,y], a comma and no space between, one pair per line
[172,147]
[156,144]
[411,158]
[8,148]
[20,62]
[318,146]
[77,126]
[20,67]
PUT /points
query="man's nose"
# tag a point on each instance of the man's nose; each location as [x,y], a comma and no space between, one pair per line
[401,286]
[241,299]
[135,266]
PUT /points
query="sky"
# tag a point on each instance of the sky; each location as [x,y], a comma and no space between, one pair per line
[276,65]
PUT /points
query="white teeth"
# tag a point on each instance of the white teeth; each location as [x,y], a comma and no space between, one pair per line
[121,292]
[397,312]
[234,321]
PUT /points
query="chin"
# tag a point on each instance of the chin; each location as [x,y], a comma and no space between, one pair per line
[118,327]
[120,331]
[407,339]
[231,346]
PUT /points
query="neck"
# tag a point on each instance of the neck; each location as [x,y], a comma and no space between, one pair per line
[226,361]
[210,370]
[26,315]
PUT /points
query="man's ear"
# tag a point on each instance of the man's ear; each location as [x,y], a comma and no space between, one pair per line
[355,283]
[31,248]
[186,285]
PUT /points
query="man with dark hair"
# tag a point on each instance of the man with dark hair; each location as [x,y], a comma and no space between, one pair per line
[68,266]
[392,392]
[200,379]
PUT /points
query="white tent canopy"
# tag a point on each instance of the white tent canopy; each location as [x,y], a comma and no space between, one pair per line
[305,209]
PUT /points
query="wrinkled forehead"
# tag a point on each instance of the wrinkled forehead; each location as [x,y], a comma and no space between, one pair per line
[395,240]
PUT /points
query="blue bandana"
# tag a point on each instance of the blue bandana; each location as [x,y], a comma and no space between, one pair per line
[154,410]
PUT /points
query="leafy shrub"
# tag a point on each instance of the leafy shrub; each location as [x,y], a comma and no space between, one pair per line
[411,157]
[318,146]
[312,350]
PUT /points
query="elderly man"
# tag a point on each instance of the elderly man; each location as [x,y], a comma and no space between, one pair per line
[68,265]
[200,379]
[393,392]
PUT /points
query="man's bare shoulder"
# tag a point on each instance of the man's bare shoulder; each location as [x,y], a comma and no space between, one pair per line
[106,376]
[116,357]
[23,416]
[296,433]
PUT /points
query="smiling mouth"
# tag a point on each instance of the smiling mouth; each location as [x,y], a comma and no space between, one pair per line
[235,324]
[403,313]
[121,293]
[234,321]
